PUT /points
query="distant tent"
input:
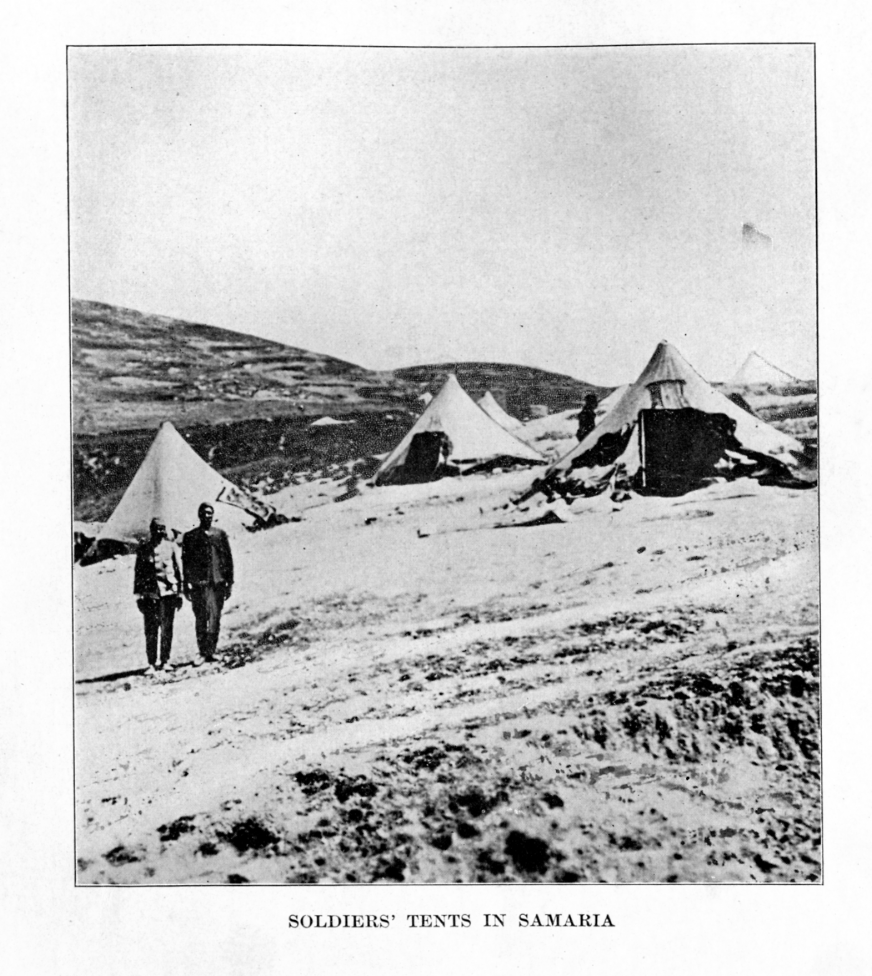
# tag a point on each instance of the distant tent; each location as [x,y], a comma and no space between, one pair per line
[329,422]
[453,435]
[671,432]
[756,369]
[171,484]
[491,407]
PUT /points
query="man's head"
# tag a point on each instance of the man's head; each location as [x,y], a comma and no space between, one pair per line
[158,530]
[590,401]
[205,513]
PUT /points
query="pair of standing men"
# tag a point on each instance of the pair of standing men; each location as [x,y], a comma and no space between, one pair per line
[205,577]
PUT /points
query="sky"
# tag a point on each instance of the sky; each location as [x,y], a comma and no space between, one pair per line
[561,208]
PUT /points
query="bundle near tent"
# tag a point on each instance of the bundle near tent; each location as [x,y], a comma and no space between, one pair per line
[759,371]
[492,408]
[671,432]
[170,485]
[452,436]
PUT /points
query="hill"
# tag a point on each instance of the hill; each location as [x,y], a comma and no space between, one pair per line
[133,370]
[518,387]
[244,403]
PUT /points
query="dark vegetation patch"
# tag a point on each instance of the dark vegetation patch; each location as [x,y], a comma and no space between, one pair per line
[174,830]
[313,781]
[123,855]
[249,835]
[530,855]
[346,788]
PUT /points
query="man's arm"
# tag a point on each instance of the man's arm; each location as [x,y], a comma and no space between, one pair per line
[227,559]
[186,566]
[178,570]
[139,572]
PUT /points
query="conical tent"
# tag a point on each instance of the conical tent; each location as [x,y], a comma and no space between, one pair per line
[756,369]
[329,422]
[461,430]
[171,484]
[669,432]
[609,402]
[491,407]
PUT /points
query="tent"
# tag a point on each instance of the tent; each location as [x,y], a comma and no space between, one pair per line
[453,435]
[607,402]
[329,422]
[671,432]
[491,407]
[756,369]
[171,484]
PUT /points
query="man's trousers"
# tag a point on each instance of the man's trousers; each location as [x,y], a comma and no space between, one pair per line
[207,601]
[158,615]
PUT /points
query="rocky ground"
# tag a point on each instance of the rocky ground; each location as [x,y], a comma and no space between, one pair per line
[414,687]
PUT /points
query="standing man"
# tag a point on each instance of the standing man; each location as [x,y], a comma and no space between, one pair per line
[157,585]
[587,417]
[208,566]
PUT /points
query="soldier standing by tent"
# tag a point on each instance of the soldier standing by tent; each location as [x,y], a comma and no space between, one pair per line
[208,567]
[157,584]
[587,417]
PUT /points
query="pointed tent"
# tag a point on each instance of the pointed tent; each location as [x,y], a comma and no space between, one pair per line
[171,484]
[491,407]
[669,432]
[606,404]
[474,440]
[329,422]
[756,369]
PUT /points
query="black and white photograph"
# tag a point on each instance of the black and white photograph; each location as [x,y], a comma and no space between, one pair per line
[444,446]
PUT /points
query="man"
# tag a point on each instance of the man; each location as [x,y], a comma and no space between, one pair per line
[587,417]
[208,568]
[157,585]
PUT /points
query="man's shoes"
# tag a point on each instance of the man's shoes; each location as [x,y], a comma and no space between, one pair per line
[149,671]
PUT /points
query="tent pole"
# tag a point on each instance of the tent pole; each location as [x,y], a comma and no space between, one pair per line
[642,448]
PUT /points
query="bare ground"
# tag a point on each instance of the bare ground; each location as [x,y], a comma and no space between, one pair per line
[410,694]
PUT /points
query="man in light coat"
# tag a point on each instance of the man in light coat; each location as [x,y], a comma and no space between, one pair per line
[157,585]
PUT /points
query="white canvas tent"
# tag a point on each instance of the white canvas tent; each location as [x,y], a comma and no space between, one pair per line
[171,484]
[669,430]
[757,370]
[491,407]
[329,422]
[473,436]
[605,405]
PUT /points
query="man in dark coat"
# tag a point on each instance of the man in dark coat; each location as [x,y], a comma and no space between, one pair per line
[157,585]
[208,567]
[587,417]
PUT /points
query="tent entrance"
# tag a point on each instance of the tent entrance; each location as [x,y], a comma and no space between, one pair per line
[680,448]
[427,453]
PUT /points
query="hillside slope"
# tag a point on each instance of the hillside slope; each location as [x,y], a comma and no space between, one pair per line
[244,403]
[518,388]
[132,370]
